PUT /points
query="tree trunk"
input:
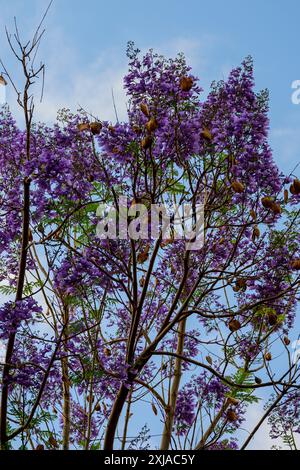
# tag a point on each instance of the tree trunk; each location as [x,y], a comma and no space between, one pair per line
[169,421]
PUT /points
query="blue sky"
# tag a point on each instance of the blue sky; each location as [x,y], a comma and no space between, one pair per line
[85,44]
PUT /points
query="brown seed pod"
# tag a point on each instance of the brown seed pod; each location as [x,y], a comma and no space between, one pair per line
[241,283]
[268,356]
[297,186]
[232,416]
[40,447]
[3,81]
[145,110]
[292,189]
[154,409]
[152,125]
[95,128]
[209,360]
[267,202]
[206,134]
[286,341]
[144,255]
[186,83]
[276,208]
[237,187]
[137,129]
[295,264]
[83,127]
[107,352]
[258,381]
[272,319]
[233,401]
[142,281]
[146,142]
[256,233]
[234,325]
[253,214]
[53,442]
[97,407]
[286,196]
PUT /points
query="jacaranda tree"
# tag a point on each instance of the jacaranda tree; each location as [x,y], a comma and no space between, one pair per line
[110,341]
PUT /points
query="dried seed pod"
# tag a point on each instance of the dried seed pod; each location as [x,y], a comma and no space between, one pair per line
[2,80]
[276,208]
[53,442]
[267,202]
[253,214]
[40,447]
[95,127]
[258,381]
[286,341]
[145,110]
[144,255]
[233,401]
[232,416]
[83,127]
[292,189]
[107,352]
[97,407]
[186,83]
[142,281]
[256,233]
[209,360]
[286,196]
[268,356]
[241,283]
[296,185]
[206,134]
[234,325]
[152,125]
[272,319]
[146,142]
[154,409]
[295,264]
[237,187]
